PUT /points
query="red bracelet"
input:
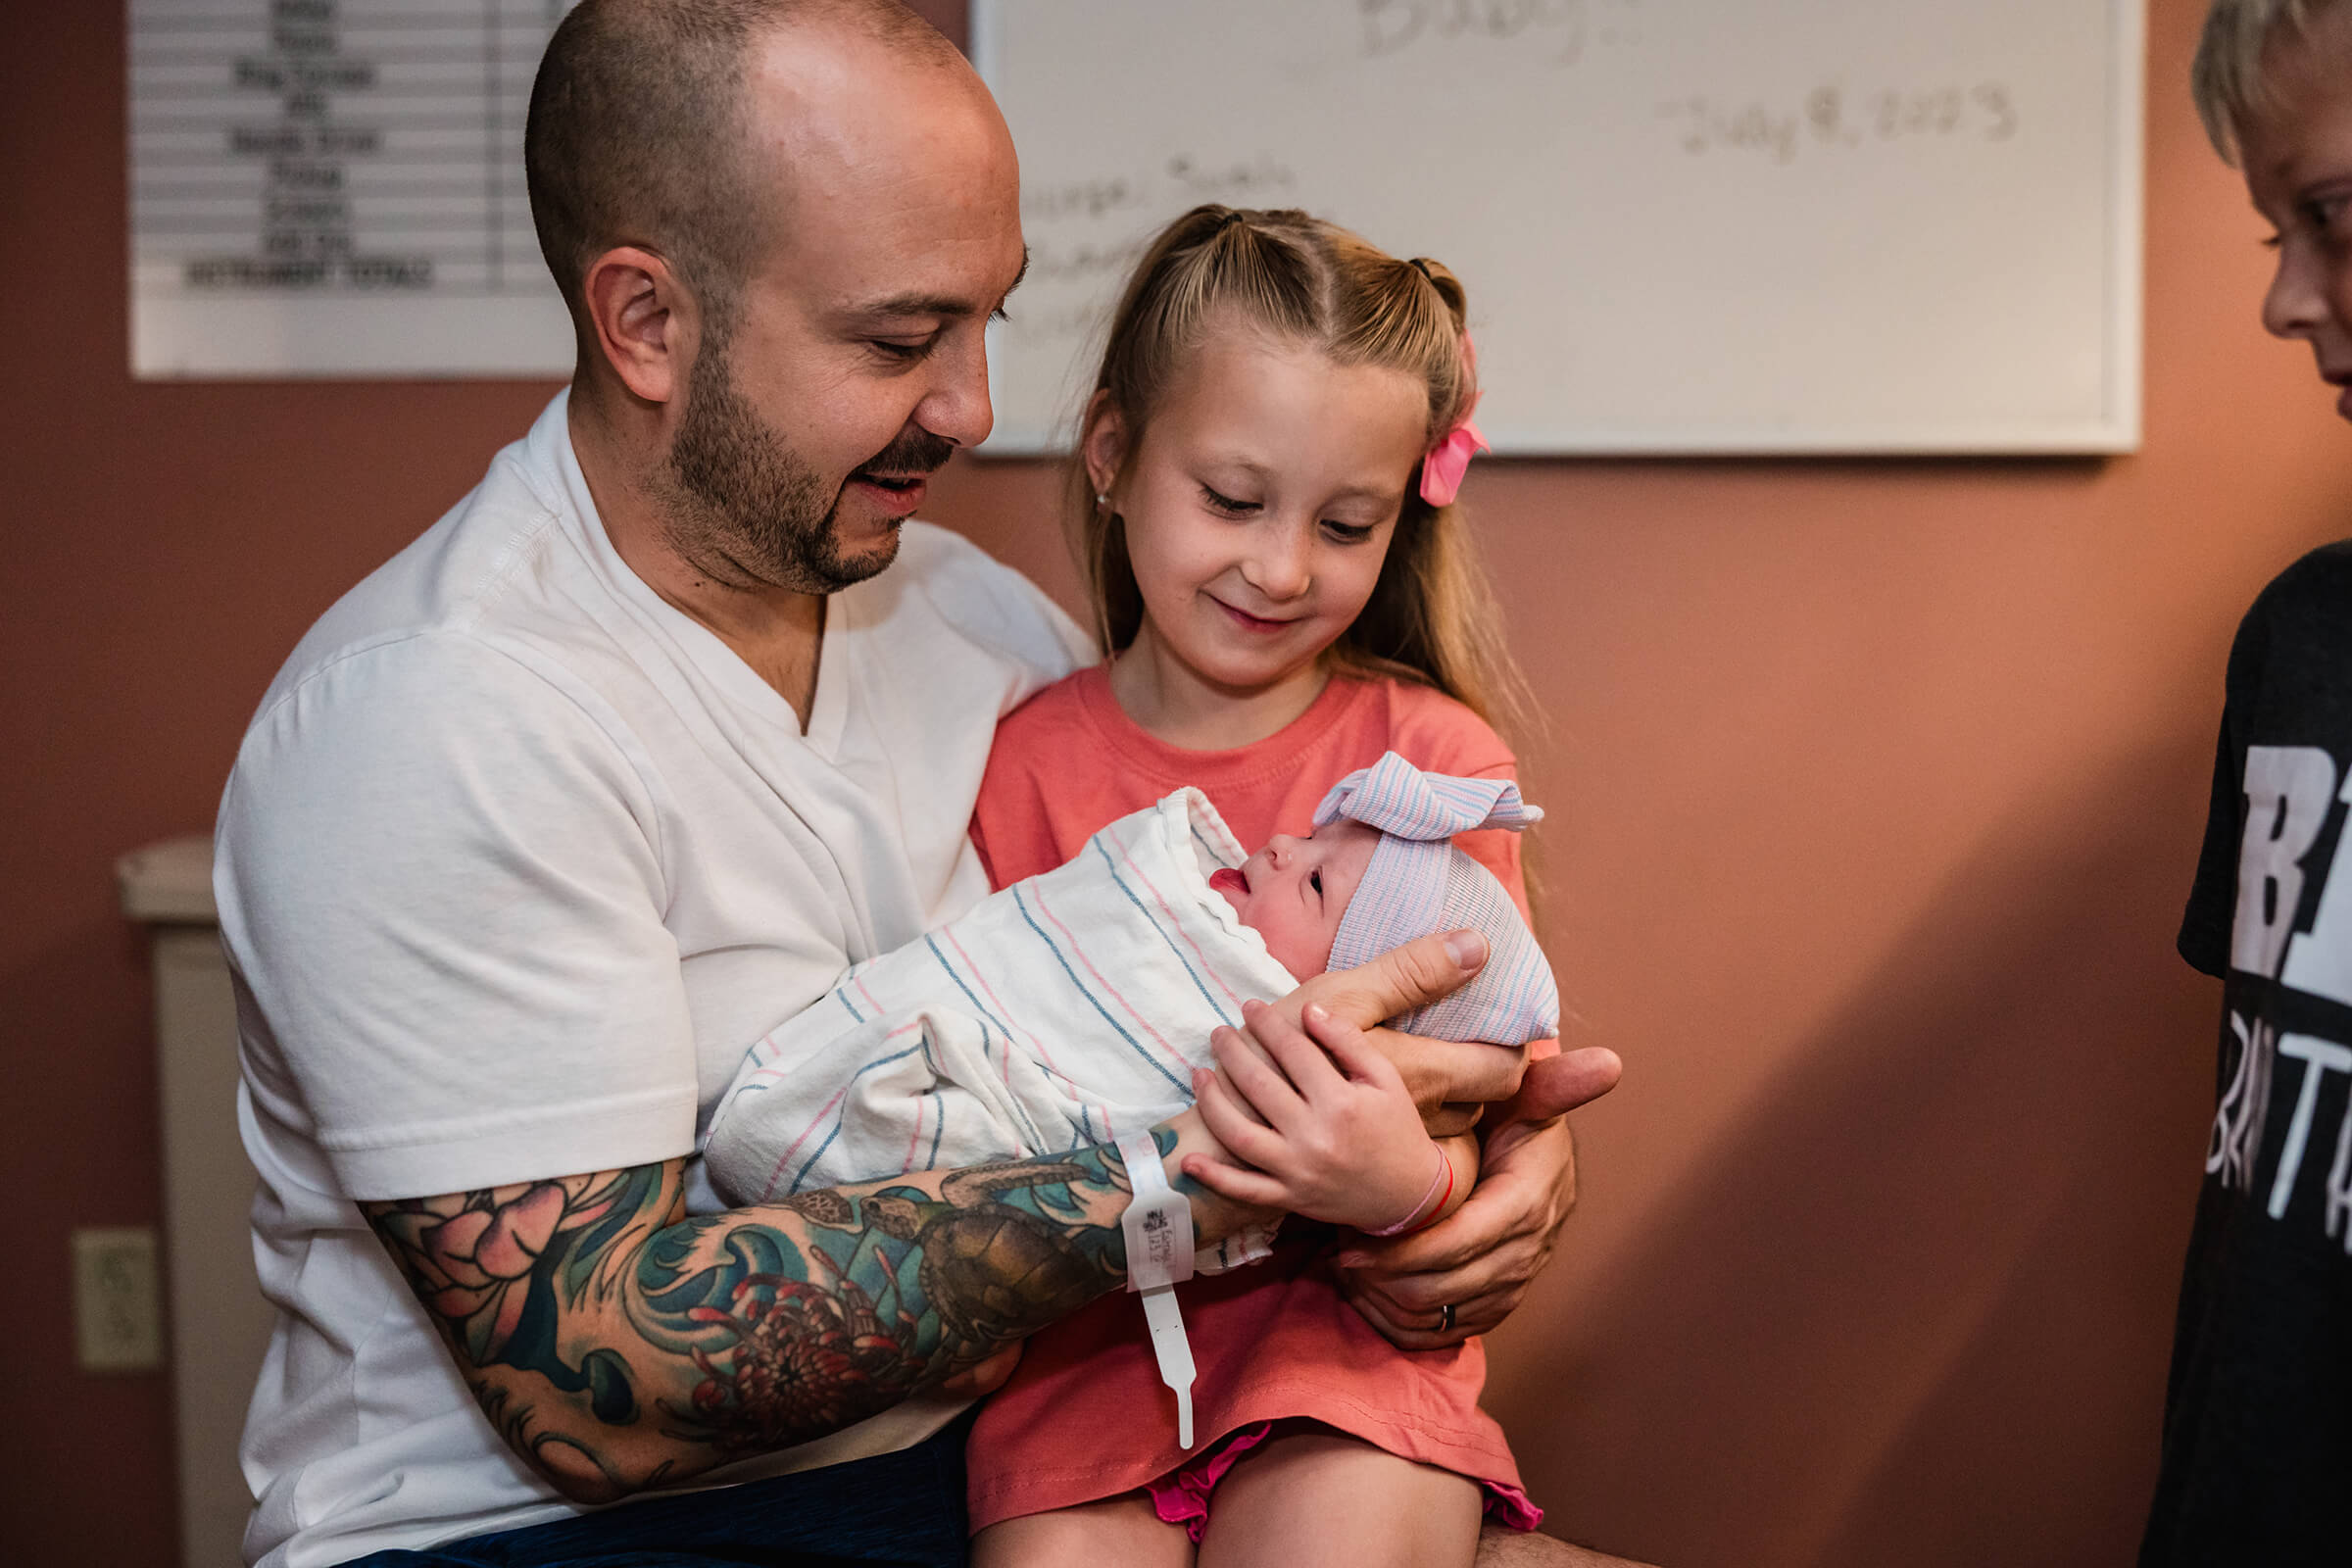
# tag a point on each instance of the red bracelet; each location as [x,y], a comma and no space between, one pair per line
[1405,1226]
[1438,1210]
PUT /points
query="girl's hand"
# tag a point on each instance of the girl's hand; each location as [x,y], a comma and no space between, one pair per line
[1325,1124]
[1448,1080]
[1480,1259]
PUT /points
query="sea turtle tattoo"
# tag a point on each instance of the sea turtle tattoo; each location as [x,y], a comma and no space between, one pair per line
[990,1271]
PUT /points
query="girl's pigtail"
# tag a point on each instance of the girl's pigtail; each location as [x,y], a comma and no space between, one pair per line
[1452,403]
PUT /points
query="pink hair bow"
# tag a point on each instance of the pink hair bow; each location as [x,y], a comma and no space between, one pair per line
[1442,470]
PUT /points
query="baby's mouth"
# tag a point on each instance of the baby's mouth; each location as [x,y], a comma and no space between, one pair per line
[1225,879]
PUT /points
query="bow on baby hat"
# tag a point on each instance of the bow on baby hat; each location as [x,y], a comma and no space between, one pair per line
[1398,797]
[1418,883]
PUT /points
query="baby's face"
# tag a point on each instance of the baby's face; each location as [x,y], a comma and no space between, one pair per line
[1294,891]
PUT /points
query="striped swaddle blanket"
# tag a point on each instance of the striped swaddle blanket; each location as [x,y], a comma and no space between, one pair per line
[1065,1011]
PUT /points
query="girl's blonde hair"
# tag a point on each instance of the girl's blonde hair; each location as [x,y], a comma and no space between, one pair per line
[1432,618]
[2228,80]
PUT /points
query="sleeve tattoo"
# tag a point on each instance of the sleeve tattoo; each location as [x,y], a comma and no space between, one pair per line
[617,1343]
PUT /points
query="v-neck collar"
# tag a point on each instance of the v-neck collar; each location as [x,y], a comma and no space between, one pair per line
[828,703]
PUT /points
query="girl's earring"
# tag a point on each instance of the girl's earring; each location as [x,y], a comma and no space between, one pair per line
[1102,500]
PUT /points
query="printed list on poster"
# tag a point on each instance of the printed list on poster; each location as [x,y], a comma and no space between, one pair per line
[335,189]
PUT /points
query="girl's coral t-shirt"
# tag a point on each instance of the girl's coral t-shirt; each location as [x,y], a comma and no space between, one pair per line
[1069,762]
[1085,1416]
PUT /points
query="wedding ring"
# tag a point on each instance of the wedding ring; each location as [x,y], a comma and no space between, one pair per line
[1444,1319]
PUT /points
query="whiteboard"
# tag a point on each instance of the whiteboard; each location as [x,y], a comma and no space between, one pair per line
[1685,225]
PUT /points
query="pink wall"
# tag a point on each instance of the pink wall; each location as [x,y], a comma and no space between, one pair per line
[1877,784]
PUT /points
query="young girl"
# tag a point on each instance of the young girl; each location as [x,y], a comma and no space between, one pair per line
[1263,507]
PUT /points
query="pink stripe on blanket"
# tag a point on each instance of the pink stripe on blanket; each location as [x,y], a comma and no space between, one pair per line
[830,1106]
[1141,875]
[1002,1012]
[1183,1062]
[915,1137]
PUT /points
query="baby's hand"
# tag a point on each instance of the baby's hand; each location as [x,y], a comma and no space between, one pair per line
[1325,1125]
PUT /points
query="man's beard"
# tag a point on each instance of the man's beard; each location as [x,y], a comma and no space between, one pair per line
[736,491]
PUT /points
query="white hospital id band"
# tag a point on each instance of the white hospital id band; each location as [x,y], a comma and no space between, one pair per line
[1158,1223]
[1158,1227]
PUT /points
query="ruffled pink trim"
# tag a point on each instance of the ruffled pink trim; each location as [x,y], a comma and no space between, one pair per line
[1181,1496]
[1510,1507]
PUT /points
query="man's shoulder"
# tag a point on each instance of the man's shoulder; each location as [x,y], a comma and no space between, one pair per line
[979,600]
[485,562]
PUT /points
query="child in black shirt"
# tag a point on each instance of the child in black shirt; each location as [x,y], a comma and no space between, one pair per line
[2258,1417]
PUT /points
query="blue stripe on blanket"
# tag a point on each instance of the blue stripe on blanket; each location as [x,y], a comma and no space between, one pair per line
[759,1086]
[1021,902]
[1037,1136]
[1190,974]
[809,1163]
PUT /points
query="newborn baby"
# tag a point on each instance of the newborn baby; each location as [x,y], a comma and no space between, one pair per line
[1072,1007]
[1294,892]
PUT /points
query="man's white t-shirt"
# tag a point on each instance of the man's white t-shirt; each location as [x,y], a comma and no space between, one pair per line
[516,861]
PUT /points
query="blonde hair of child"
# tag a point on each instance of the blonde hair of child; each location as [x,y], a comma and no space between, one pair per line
[2227,79]
[1431,616]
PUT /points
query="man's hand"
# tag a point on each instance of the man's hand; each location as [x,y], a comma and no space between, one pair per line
[1552,1088]
[1480,1258]
[1450,1082]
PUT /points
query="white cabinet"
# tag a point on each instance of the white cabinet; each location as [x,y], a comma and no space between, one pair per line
[219,1323]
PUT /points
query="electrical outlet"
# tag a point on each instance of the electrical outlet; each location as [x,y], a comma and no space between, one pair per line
[117,1300]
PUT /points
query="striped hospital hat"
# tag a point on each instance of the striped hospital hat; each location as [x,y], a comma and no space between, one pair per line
[1418,883]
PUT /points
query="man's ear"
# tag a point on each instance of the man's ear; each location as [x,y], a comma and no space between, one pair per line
[1102,441]
[643,320]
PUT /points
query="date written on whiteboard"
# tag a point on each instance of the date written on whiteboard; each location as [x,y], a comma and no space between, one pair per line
[1831,119]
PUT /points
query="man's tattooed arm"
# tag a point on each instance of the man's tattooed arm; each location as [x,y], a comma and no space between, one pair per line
[617,1343]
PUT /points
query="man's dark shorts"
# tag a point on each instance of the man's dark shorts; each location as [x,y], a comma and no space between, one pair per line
[903,1509]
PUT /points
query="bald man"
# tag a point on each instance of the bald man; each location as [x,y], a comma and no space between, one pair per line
[619,765]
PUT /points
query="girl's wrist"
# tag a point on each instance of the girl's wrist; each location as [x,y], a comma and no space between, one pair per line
[1214,1216]
[1430,1205]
